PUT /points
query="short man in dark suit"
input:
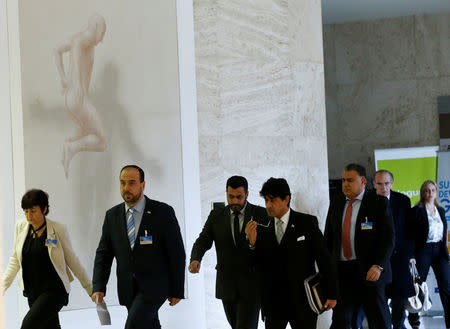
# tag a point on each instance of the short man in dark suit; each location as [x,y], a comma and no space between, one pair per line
[401,286]
[287,249]
[237,279]
[360,235]
[144,237]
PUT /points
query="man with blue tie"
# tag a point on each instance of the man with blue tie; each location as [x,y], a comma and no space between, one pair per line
[144,237]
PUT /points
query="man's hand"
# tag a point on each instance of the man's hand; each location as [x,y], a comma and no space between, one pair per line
[329,304]
[173,301]
[97,297]
[251,232]
[373,274]
[194,266]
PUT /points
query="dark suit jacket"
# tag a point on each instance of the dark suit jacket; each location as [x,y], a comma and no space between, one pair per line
[421,229]
[285,266]
[236,272]
[373,247]
[402,283]
[157,269]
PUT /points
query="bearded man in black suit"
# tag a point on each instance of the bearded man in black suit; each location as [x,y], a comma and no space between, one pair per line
[144,237]
[237,281]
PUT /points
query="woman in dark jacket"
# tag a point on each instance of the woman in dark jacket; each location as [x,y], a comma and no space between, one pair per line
[430,235]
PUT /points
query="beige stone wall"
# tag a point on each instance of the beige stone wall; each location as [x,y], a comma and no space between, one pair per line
[382,81]
[261,97]
[261,108]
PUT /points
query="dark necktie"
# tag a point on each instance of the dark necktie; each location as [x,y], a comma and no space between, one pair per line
[237,233]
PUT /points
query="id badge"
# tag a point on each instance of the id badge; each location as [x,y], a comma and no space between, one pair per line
[51,243]
[146,239]
[367,226]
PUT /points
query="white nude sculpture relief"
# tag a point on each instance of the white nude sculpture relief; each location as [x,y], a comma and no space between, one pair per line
[90,134]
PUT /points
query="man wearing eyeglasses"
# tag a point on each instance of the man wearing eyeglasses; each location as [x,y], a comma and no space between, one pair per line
[287,250]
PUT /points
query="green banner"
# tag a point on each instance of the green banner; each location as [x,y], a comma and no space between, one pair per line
[409,174]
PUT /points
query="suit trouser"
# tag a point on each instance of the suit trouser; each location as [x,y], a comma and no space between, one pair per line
[281,311]
[275,321]
[355,292]
[398,314]
[142,312]
[43,313]
[431,256]
[241,314]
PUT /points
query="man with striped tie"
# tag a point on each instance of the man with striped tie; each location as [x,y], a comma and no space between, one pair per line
[144,237]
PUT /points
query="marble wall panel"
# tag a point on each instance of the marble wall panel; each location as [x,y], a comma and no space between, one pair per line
[432,45]
[261,107]
[305,30]
[382,84]
[329,55]
[391,49]
[352,53]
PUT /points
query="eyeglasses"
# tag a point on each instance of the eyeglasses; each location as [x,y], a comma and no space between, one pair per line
[261,224]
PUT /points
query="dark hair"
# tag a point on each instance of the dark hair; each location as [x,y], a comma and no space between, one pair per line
[356,167]
[141,172]
[276,187]
[35,197]
[237,181]
[384,171]
[421,202]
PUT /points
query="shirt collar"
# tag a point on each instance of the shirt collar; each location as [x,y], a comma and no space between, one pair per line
[139,207]
[285,217]
[359,197]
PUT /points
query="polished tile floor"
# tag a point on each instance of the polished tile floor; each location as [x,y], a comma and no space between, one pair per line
[427,322]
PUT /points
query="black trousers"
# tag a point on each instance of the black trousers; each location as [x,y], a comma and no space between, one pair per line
[432,256]
[280,321]
[241,314]
[142,311]
[282,310]
[44,308]
[355,292]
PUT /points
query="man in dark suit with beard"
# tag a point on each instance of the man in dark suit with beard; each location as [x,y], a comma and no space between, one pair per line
[360,235]
[144,237]
[401,286]
[287,250]
[237,279]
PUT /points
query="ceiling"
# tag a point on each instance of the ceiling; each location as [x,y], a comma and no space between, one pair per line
[342,11]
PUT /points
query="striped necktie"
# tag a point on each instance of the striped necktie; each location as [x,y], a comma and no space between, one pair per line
[131,227]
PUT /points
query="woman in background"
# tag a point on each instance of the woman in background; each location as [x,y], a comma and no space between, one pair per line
[43,251]
[430,235]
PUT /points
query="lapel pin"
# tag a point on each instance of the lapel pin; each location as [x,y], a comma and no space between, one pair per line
[292,225]
[149,212]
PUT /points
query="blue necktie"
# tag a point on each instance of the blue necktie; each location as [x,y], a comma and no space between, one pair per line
[131,227]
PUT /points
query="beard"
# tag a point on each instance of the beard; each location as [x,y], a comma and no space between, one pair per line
[236,207]
[129,197]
